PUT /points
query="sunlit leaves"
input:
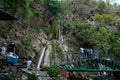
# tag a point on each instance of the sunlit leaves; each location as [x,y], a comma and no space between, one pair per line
[105,18]
[115,42]
[101,37]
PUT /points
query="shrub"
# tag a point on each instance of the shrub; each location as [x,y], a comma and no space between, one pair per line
[53,71]
[105,18]
[26,46]
[32,76]
[10,76]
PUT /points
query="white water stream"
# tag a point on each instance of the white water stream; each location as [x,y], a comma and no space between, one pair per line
[40,58]
[60,34]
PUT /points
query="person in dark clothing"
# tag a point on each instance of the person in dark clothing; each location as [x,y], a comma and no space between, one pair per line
[11,47]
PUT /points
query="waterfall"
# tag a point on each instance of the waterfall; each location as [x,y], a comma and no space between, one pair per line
[40,58]
[60,33]
[47,55]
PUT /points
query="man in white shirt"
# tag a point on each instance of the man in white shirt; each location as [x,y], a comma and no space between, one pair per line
[29,63]
[82,51]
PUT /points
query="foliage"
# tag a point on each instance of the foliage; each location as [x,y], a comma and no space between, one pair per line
[53,71]
[83,33]
[32,76]
[105,18]
[17,5]
[27,44]
[102,39]
[53,6]
[97,36]
[53,29]
[52,9]
[115,41]
[27,41]
[117,9]
[5,28]
[65,23]
[101,6]
[92,36]
[26,7]
[11,76]
[35,29]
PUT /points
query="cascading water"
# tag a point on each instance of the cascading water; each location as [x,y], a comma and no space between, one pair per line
[47,54]
[40,58]
[60,33]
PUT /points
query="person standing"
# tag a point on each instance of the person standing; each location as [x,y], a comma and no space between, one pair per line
[29,63]
[3,49]
[11,47]
[82,51]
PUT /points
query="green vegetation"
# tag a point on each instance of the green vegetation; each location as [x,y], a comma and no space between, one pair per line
[83,23]
[105,19]
[32,76]
[102,34]
[26,45]
[115,41]
[97,36]
[52,6]
[74,18]
[53,30]
[53,71]
[11,76]
[101,6]
[5,29]
[15,6]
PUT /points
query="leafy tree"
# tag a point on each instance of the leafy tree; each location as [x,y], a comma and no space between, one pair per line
[53,71]
[101,6]
[117,9]
[93,36]
[83,33]
[115,41]
[52,6]
[101,39]
[14,6]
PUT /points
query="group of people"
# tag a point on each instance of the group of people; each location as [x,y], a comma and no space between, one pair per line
[88,53]
[8,50]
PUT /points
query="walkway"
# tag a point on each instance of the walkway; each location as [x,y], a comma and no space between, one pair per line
[73,61]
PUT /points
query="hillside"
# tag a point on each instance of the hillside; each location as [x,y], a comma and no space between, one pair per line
[64,22]
[60,26]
